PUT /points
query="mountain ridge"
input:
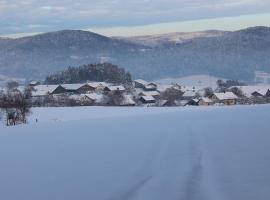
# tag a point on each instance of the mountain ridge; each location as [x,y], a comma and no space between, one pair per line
[229,54]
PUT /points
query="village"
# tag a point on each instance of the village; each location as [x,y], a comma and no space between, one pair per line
[143,93]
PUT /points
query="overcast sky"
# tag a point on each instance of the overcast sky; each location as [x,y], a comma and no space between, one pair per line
[112,17]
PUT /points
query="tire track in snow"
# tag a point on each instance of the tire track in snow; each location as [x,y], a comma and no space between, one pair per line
[201,182]
[194,179]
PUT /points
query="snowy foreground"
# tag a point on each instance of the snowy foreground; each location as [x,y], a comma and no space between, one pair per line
[215,153]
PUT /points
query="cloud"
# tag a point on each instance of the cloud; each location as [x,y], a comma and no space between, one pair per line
[69,14]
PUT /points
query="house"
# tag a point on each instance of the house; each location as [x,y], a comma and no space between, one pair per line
[227,98]
[154,94]
[205,101]
[147,99]
[44,90]
[257,94]
[98,86]
[145,85]
[150,87]
[255,91]
[76,88]
[140,83]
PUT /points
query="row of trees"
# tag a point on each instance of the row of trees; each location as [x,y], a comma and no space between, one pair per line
[15,104]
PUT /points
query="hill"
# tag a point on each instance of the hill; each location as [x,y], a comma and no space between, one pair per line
[231,55]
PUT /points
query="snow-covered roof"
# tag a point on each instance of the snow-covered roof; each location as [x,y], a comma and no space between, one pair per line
[72,86]
[206,100]
[248,90]
[42,90]
[196,100]
[150,93]
[143,82]
[149,86]
[225,95]
[148,98]
[98,84]
[116,88]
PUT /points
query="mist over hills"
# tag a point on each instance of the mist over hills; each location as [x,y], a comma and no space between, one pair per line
[234,55]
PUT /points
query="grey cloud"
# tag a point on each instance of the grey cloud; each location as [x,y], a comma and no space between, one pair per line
[46,15]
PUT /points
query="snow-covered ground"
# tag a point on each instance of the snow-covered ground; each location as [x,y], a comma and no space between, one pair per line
[189,153]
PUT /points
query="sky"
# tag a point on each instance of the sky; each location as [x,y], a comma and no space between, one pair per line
[130,17]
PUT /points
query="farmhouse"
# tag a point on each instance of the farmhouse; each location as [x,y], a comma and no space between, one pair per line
[154,94]
[98,86]
[227,98]
[140,83]
[205,101]
[78,88]
[150,87]
[44,90]
[147,99]
[145,85]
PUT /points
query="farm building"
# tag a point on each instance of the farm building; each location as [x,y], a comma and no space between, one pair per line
[205,101]
[147,99]
[227,98]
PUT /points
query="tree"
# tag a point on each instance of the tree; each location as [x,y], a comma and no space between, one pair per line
[208,92]
[238,92]
[115,98]
[16,106]
[92,72]
[11,85]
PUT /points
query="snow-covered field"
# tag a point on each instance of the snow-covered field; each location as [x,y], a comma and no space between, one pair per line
[190,153]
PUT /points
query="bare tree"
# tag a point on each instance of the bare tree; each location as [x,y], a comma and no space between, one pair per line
[16,106]
[208,92]
[115,98]
[238,92]
[11,85]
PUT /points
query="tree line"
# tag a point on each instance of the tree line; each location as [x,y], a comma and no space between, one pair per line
[92,72]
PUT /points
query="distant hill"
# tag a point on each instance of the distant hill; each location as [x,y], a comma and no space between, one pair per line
[170,38]
[232,55]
